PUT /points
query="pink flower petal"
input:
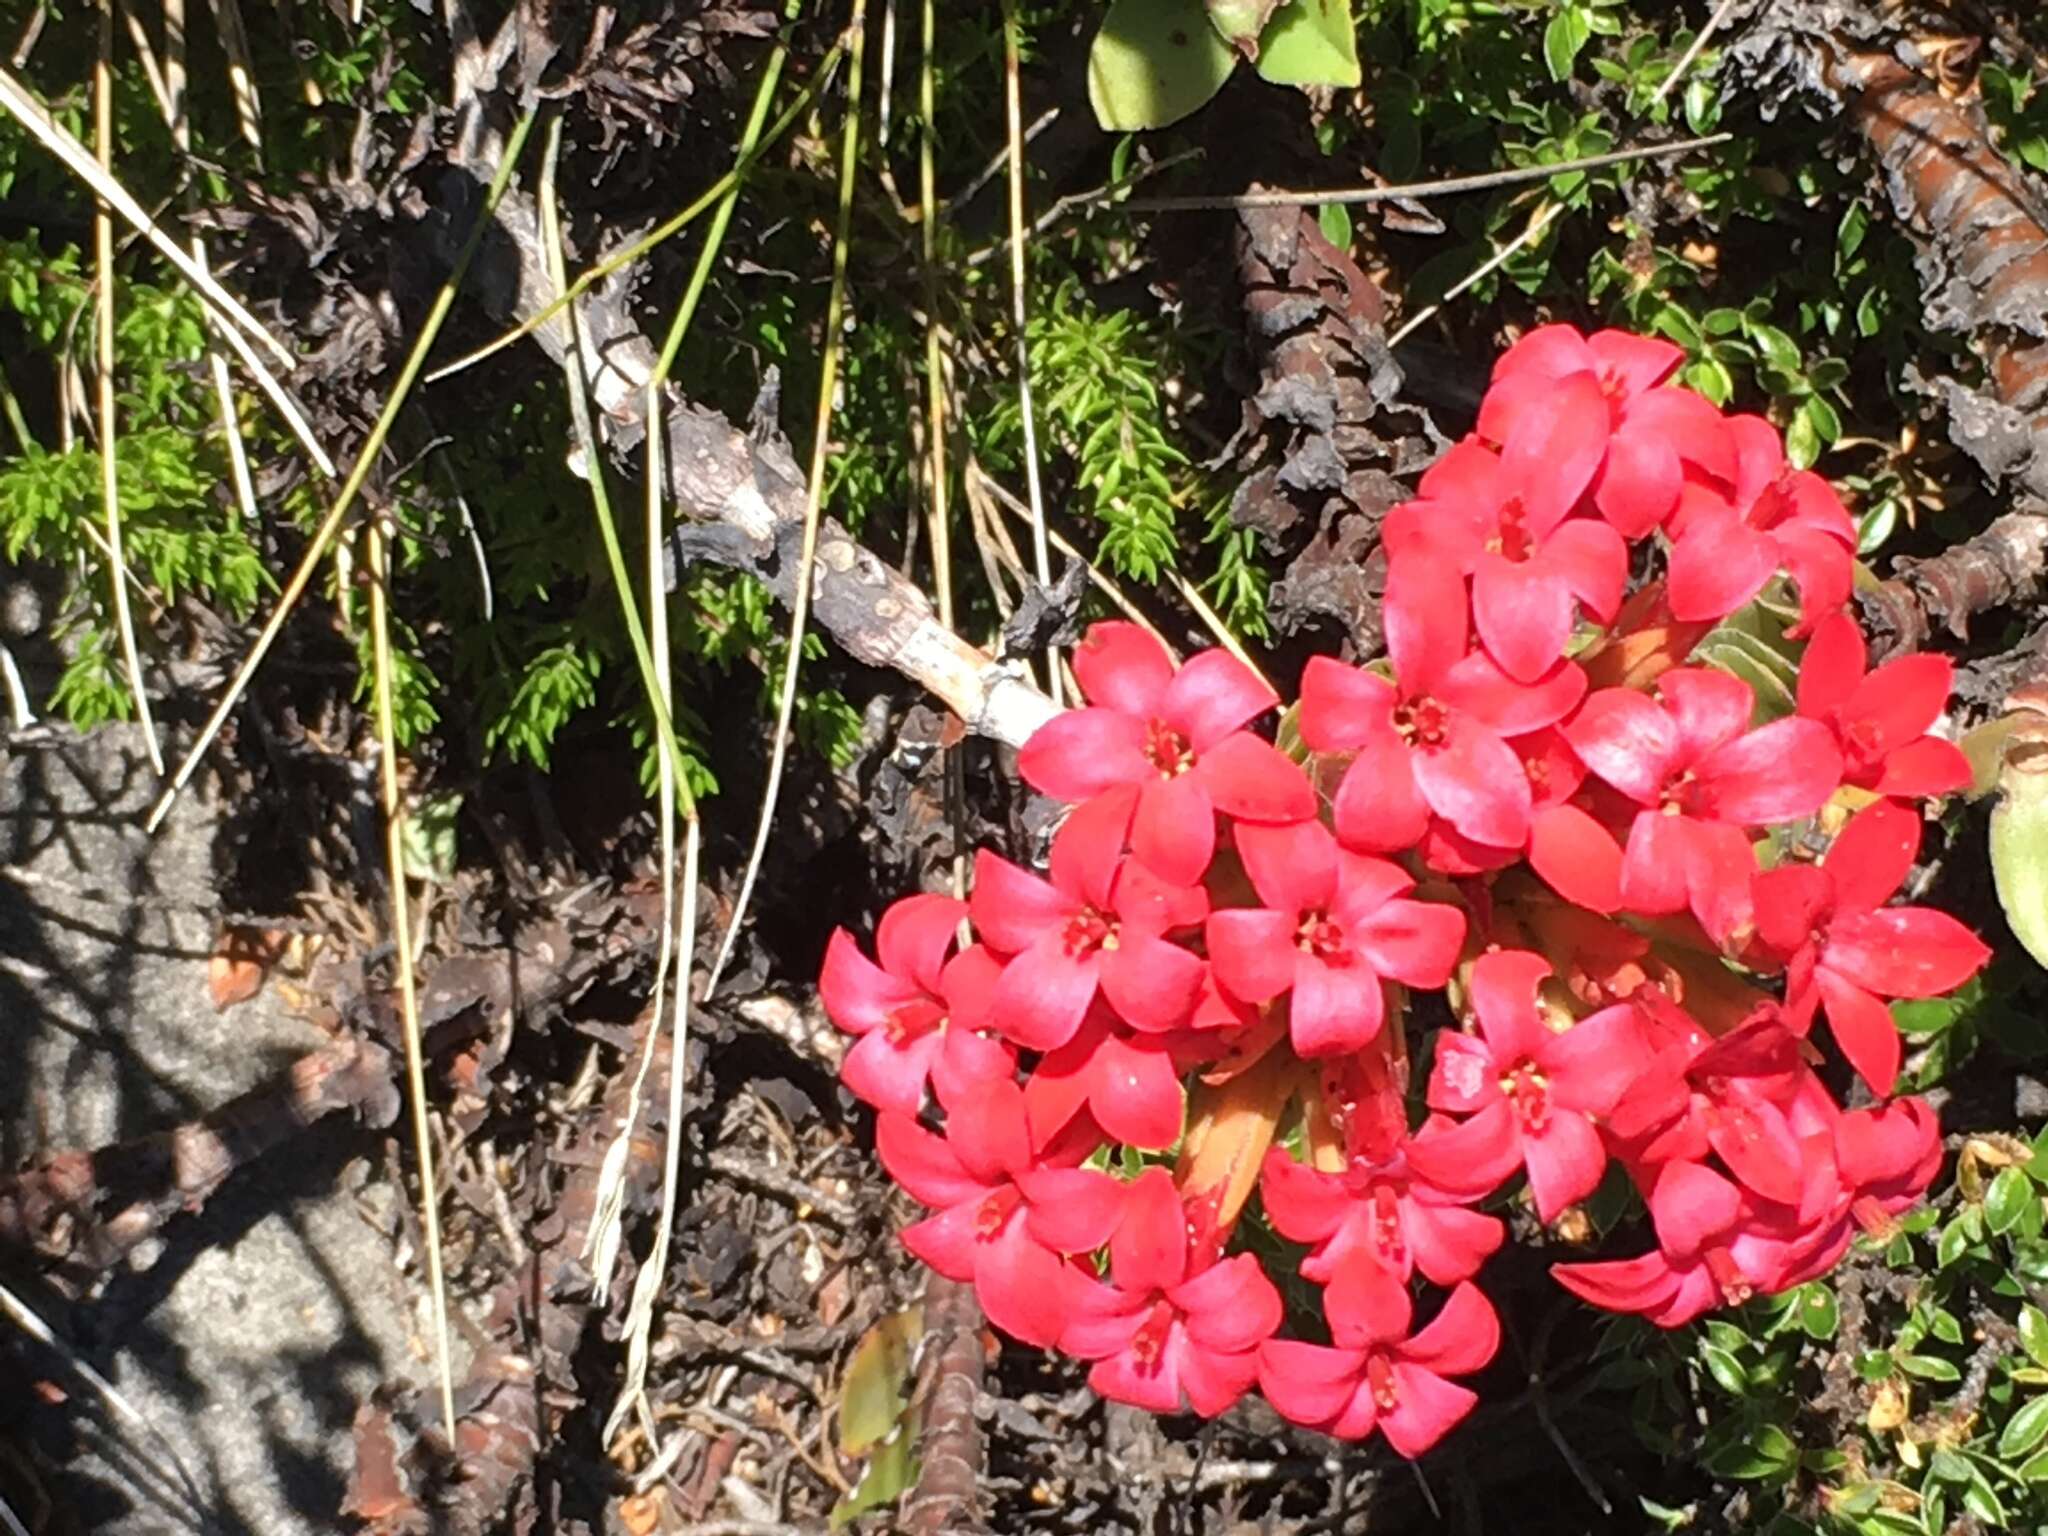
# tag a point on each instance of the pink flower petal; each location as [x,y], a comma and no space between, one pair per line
[1476,783]
[924,1164]
[891,1074]
[1923,770]
[1523,613]
[1252,951]
[1312,1384]
[1718,564]
[1710,708]
[1565,1160]
[1022,1287]
[1577,857]
[1292,867]
[1427,618]
[1012,907]
[1136,1095]
[1903,951]
[1342,708]
[857,993]
[1253,780]
[1426,1408]
[1415,942]
[1872,856]
[1832,667]
[1214,695]
[1077,755]
[1231,1306]
[1124,667]
[1636,363]
[1777,773]
[1174,832]
[1593,560]
[1460,1339]
[1334,1008]
[1148,1252]
[1624,738]
[988,1131]
[1152,983]
[1378,806]
[1072,1210]
[1653,865]
[1043,994]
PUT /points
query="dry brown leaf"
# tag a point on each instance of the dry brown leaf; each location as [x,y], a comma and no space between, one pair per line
[242,957]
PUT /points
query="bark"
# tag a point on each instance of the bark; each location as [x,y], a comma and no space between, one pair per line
[1984,245]
[2000,567]
[945,1502]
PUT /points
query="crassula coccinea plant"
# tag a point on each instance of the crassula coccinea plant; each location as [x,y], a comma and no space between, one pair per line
[1541,804]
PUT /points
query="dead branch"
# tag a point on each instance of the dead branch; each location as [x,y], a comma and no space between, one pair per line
[944,1502]
[2001,566]
[745,492]
[1985,252]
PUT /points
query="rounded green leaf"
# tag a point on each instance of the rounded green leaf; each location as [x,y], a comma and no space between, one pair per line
[2024,1430]
[1311,42]
[1154,62]
[2005,1202]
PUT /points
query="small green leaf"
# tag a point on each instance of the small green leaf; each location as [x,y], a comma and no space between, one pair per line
[1945,1466]
[873,1396]
[1802,442]
[1726,1370]
[1930,1368]
[1559,52]
[2005,1202]
[1154,62]
[1311,42]
[429,839]
[1818,1312]
[1239,22]
[1334,220]
[1769,1452]
[2035,1470]
[891,1473]
[2034,1333]
[2024,1430]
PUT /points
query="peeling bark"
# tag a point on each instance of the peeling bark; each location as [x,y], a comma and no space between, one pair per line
[945,1501]
[1998,568]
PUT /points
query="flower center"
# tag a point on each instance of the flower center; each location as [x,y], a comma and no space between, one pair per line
[1320,935]
[1379,1376]
[1862,745]
[1678,793]
[1512,541]
[1873,1218]
[1167,750]
[1423,722]
[1529,1091]
[1149,1343]
[1734,1284]
[1087,931]
[993,1214]
[912,1021]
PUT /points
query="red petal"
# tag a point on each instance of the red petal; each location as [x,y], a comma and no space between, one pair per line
[1718,564]
[1465,1077]
[1923,769]
[1636,363]
[1653,865]
[1752,1137]
[1872,856]
[1777,773]
[1342,708]
[1551,455]
[1460,1339]
[1832,666]
[1621,1285]
[1252,951]
[949,1242]
[1577,857]
[1709,708]
[1476,783]
[1903,951]
[1304,1204]
[1900,700]
[1174,832]
[1791,900]
[965,1058]
[1863,1030]
[1479,688]
[1366,1305]
[1523,613]
[1043,994]
[1565,1161]
[1136,1094]
[1149,1250]
[1720,867]
[1623,737]
[1212,696]
[1378,807]
[1473,1159]
[1334,1008]
[1503,991]
[1123,666]
[1154,1385]
[1638,486]
[1593,560]
[1073,1210]
[1548,352]
[1101,1319]
[890,1074]
[1230,1306]
[1592,1064]
[916,934]
[1450,1243]
[1253,780]
[988,1131]
[1023,1288]
[1692,1206]
[1077,755]
[1215,1379]
[1426,1408]
[1415,942]
[1311,1384]
[1012,907]
[924,1164]
[1426,619]
[1689,423]
[1292,867]
[857,993]
[1089,846]
[1152,983]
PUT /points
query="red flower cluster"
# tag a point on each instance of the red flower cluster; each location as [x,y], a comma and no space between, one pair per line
[1536,805]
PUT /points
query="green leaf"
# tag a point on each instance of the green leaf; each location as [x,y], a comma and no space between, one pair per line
[1930,1368]
[873,1397]
[1154,62]
[1802,442]
[1559,51]
[2024,1430]
[1818,1312]
[2005,1202]
[1726,1370]
[428,840]
[1311,42]
[1239,22]
[2034,1333]
[890,1474]
[1769,1452]
[1334,220]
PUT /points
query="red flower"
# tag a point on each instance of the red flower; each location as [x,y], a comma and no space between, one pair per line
[1174,1329]
[970,1177]
[1533,1089]
[1844,950]
[1432,741]
[1606,386]
[1730,541]
[1174,737]
[1505,522]
[1699,776]
[1335,924]
[1881,719]
[1129,1081]
[917,1013]
[1384,1214]
[1098,925]
[1377,1376]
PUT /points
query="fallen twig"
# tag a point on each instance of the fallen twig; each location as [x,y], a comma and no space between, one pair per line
[944,1502]
[2001,566]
